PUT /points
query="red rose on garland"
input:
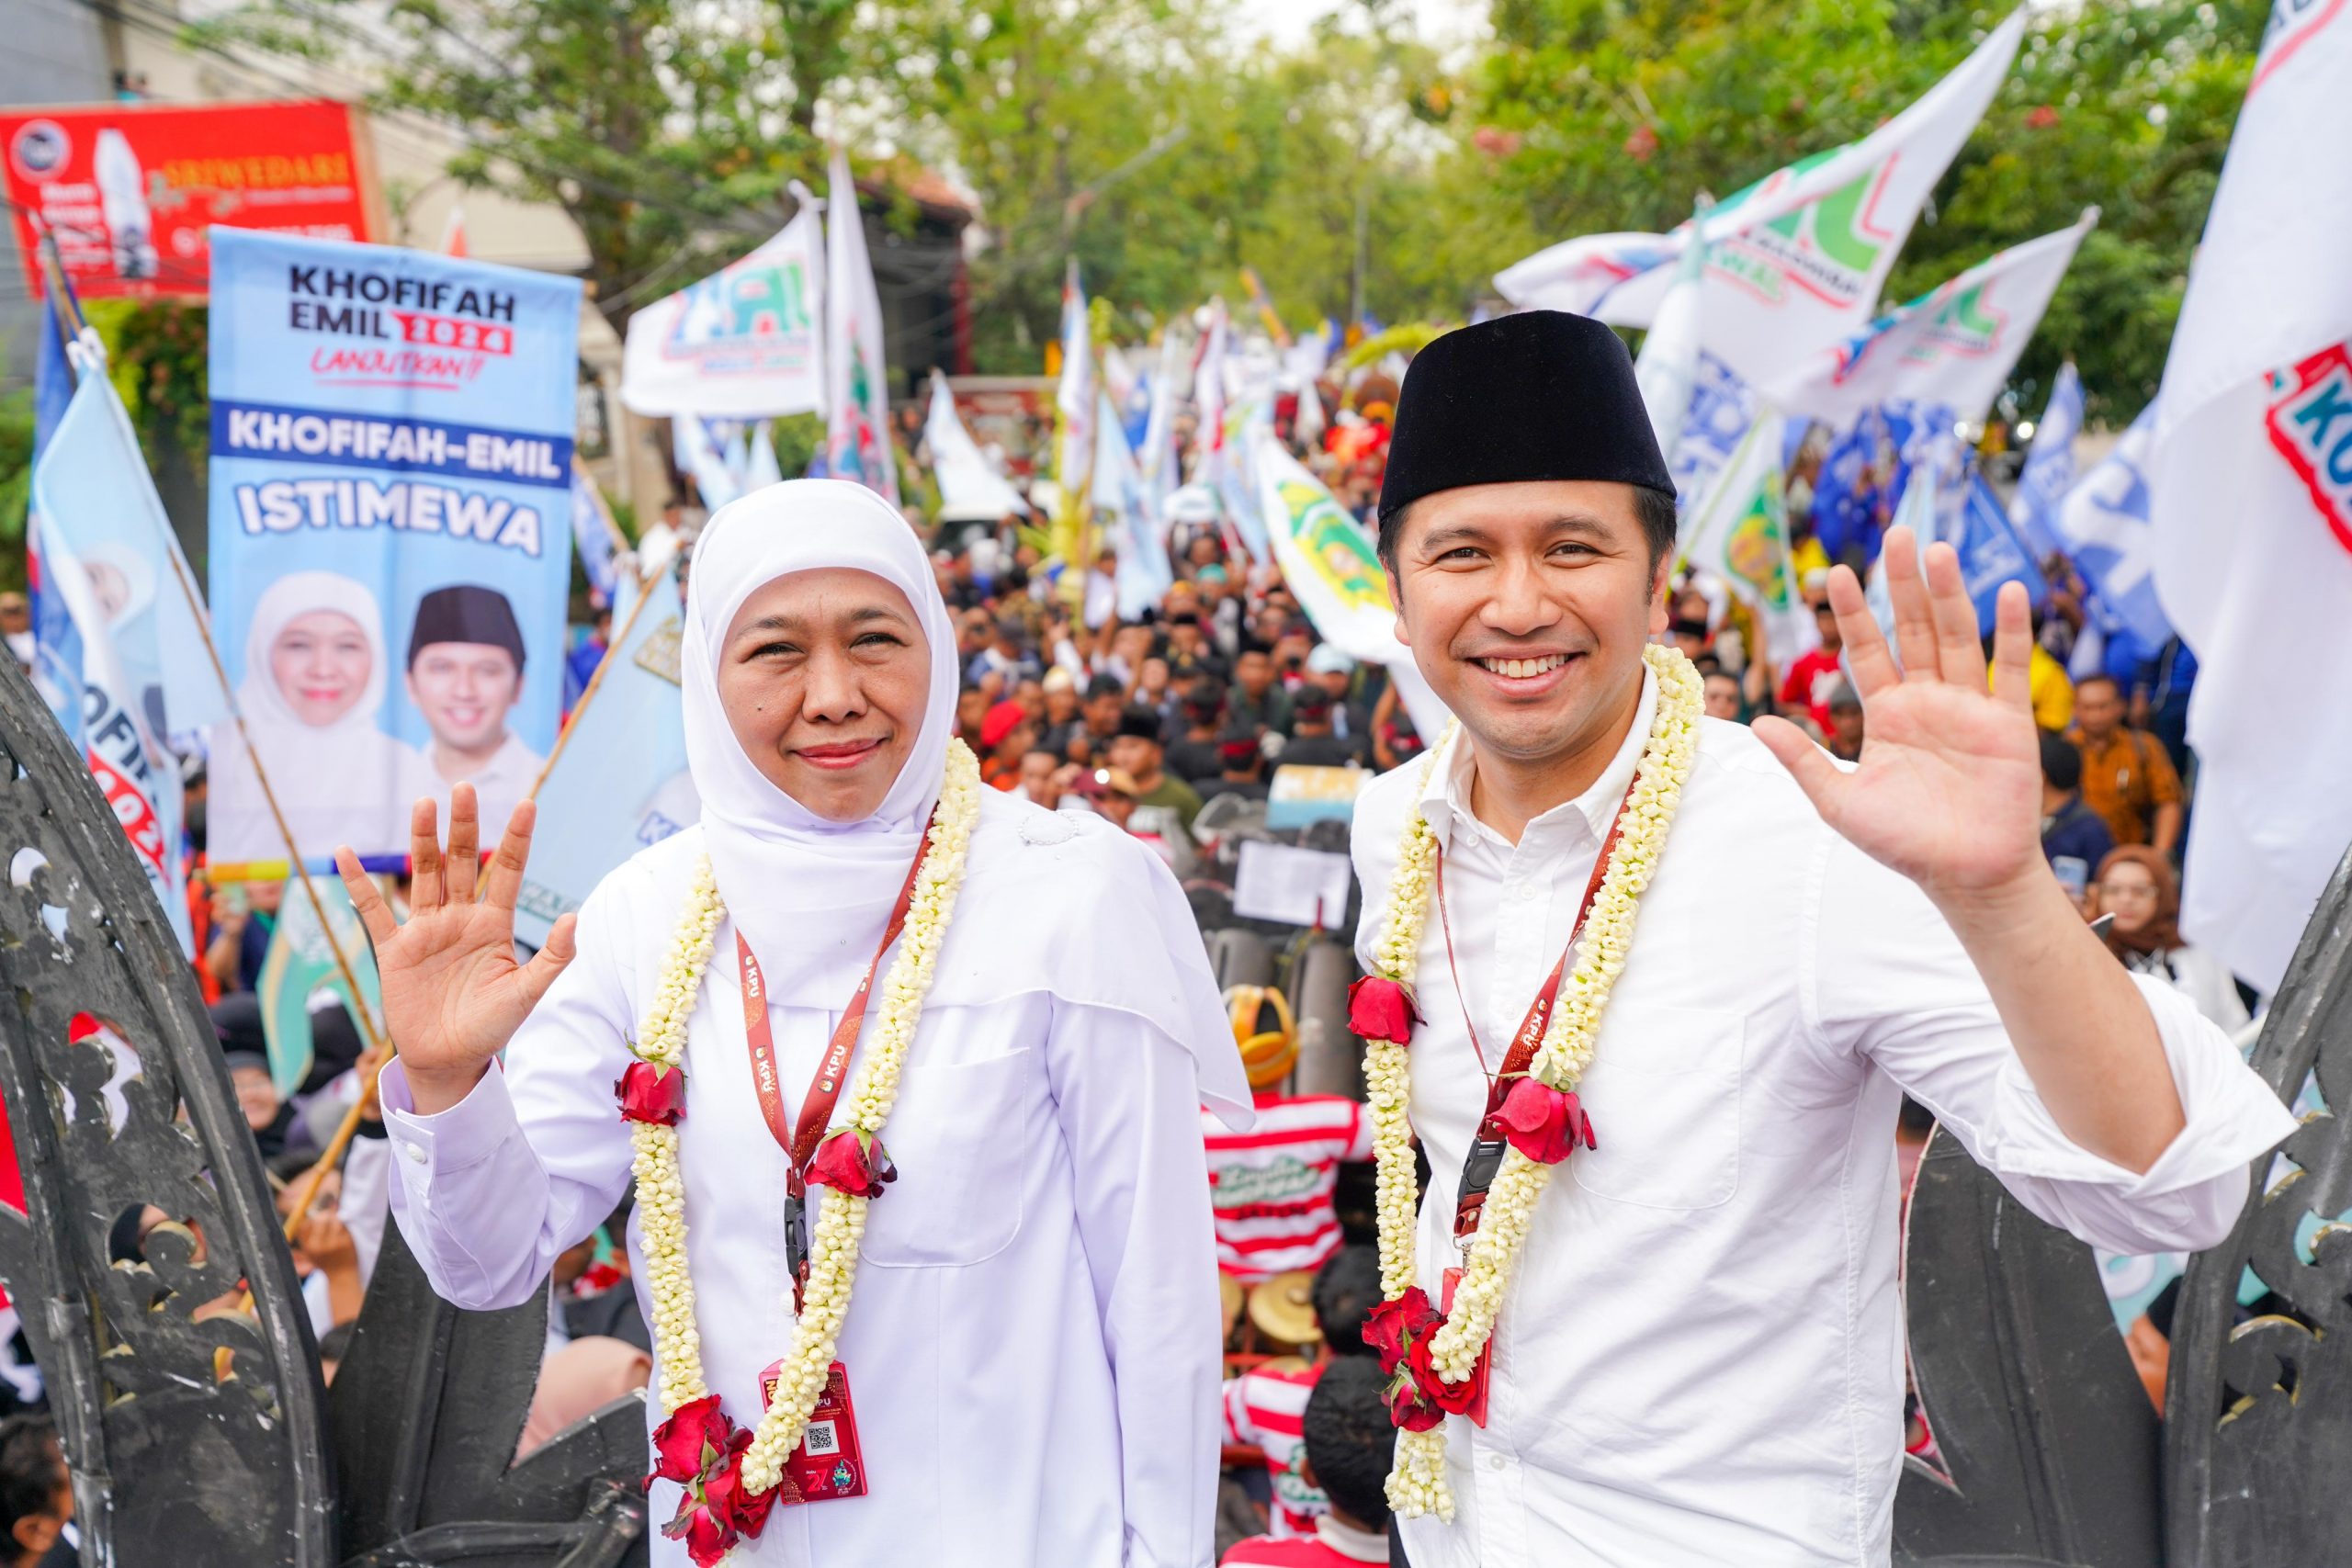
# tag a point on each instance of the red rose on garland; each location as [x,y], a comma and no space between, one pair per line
[1409,1408]
[1543,1123]
[735,1505]
[649,1093]
[852,1162]
[702,1450]
[1381,1009]
[1393,1328]
[692,1440]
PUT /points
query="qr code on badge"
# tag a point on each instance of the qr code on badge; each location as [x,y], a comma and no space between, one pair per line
[819,1439]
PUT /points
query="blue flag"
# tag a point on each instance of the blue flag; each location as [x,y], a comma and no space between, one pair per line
[108,564]
[57,645]
[2103,527]
[1991,553]
[591,538]
[2049,466]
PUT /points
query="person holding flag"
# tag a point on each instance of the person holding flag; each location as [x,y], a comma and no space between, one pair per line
[1648,1311]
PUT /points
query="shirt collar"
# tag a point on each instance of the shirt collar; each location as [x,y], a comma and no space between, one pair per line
[1445,804]
[1355,1545]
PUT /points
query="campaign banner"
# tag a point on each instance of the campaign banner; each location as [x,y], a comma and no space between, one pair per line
[1330,562]
[621,782]
[744,343]
[391,544]
[132,190]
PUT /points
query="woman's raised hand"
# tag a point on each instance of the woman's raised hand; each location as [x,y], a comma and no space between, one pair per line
[453,993]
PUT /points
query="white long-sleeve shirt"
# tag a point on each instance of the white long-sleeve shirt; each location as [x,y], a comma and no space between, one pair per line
[1032,1337]
[1700,1361]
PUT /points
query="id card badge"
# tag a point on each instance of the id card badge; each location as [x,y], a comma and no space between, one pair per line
[827,1463]
[1477,1411]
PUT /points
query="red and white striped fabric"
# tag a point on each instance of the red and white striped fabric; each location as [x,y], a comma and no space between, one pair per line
[1271,1185]
[1269,1408]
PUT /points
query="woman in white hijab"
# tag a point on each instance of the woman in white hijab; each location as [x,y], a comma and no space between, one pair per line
[1026,1316]
[311,692]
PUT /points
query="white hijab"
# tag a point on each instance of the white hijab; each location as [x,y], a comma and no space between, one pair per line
[340,782]
[282,735]
[1049,904]
[810,894]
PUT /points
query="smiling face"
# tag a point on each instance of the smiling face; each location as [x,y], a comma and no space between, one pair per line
[321,663]
[1526,606]
[823,677]
[464,689]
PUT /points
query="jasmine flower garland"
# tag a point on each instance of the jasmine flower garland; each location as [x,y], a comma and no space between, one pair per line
[842,1220]
[1418,1484]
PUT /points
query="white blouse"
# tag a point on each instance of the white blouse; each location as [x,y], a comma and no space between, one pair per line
[1031,1342]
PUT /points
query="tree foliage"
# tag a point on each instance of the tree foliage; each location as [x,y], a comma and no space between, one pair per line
[1167,148]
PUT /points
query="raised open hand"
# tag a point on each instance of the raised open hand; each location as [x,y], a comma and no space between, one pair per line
[453,993]
[1949,789]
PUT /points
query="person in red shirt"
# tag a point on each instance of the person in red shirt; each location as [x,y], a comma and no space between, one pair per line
[1813,677]
[1349,1445]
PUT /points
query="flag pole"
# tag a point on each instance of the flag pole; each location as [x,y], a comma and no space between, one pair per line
[70,310]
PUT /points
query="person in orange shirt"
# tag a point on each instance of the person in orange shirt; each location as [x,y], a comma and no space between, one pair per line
[2127,777]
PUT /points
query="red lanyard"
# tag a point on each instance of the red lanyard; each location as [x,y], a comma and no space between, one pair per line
[1486,1155]
[799,1138]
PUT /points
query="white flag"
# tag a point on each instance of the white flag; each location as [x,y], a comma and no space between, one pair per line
[1741,534]
[725,455]
[1797,260]
[743,342]
[1668,365]
[857,376]
[2251,486]
[1145,572]
[1074,400]
[1156,457]
[970,489]
[1950,349]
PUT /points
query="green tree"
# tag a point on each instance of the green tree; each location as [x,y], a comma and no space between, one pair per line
[669,134]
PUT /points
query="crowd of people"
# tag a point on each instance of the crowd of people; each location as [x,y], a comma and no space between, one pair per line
[1145,721]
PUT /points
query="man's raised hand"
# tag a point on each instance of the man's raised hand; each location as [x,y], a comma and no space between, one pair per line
[453,993]
[1949,789]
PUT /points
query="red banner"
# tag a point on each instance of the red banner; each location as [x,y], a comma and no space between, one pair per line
[130,189]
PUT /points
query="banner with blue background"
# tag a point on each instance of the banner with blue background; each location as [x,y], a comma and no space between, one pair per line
[390,537]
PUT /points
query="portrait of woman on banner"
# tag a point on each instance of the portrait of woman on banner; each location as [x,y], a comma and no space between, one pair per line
[313,693]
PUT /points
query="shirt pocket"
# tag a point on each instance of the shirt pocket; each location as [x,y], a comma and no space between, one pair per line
[1663,1092]
[959,1137]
